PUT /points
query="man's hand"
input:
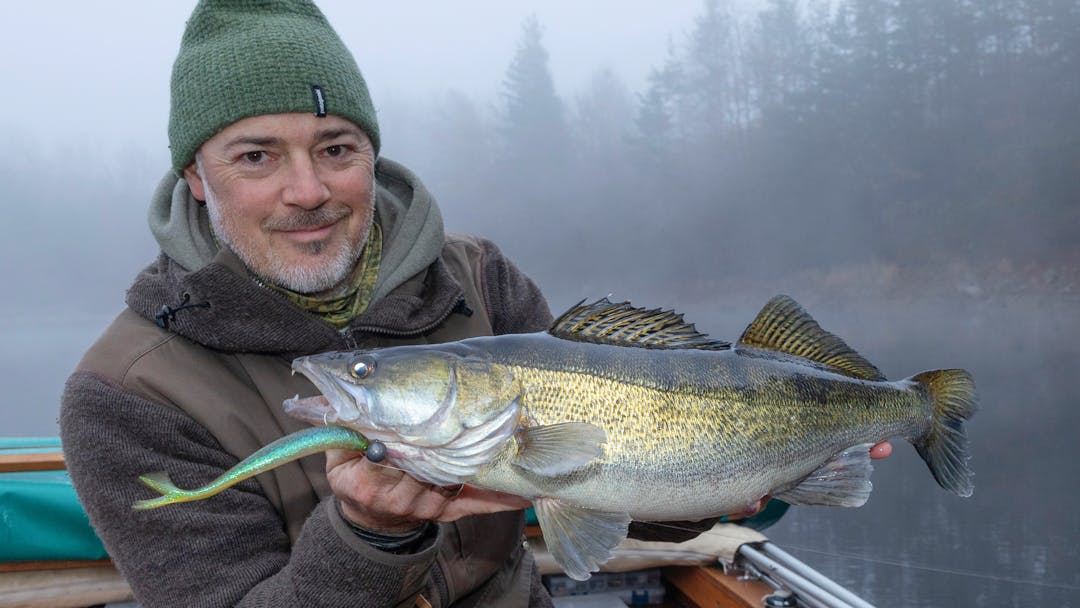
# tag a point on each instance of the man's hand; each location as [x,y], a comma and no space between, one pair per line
[382,499]
[881,450]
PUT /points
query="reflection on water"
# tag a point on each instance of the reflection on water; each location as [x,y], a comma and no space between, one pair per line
[1012,544]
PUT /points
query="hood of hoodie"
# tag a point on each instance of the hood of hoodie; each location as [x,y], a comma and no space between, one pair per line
[413,292]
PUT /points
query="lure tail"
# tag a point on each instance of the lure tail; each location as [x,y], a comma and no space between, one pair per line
[170,494]
[286,449]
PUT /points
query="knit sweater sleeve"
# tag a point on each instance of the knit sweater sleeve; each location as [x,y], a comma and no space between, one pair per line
[232,550]
[515,304]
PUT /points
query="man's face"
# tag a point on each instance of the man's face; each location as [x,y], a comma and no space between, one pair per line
[291,194]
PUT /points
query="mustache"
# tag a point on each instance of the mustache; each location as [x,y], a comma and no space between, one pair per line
[303,220]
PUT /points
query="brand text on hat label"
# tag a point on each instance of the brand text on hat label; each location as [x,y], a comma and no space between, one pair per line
[320,100]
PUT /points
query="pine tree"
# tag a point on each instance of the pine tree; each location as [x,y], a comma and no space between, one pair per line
[603,115]
[656,124]
[534,132]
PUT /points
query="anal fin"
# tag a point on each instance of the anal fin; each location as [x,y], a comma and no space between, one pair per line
[556,449]
[579,539]
[843,481]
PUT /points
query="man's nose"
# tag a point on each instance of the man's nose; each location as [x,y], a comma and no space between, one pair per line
[306,187]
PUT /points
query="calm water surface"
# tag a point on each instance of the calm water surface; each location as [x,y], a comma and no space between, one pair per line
[1014,543]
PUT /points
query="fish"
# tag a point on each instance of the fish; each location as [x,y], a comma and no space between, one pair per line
[618,414]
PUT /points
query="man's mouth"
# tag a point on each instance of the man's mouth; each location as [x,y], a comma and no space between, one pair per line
[309,234]
[311,225]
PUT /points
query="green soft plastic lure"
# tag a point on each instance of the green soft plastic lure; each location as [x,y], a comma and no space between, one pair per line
[288,448]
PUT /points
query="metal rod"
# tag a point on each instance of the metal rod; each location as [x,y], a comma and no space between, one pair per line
[814,576]
[779,584]
[805,589]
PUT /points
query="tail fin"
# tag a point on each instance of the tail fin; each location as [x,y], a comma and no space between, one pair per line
[944,445]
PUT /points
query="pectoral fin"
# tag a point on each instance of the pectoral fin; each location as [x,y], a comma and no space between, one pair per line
[556,449]
[579,539]
[843,481]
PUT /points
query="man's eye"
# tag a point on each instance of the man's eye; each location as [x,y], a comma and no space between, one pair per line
[254,157]
[337,150]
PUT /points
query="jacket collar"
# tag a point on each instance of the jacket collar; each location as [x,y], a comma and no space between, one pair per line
[222,307]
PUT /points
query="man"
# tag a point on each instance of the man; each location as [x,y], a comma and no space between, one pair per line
[283,233]
[306,243]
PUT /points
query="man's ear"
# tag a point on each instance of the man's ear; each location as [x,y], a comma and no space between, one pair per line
[194,180]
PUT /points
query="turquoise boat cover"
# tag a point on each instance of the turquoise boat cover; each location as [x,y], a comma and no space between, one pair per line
[40,517]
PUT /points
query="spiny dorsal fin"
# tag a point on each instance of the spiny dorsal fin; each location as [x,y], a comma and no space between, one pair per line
[604,322]
[783,325]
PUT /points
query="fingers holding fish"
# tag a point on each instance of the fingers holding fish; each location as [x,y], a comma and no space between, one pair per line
[752,508]
[881,450]
[380,498]
[476,501]
[385,499]
[449,492]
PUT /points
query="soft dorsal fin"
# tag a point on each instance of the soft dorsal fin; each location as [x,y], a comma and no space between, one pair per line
[783,325]
[604,322]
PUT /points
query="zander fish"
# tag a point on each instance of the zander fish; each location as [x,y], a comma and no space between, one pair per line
[619,413]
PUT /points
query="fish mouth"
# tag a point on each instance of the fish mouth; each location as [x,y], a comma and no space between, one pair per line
[335,405]
[310,409]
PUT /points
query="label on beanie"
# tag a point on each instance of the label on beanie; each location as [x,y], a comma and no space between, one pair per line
[320,100]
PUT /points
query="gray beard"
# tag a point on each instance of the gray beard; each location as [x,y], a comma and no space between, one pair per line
[275,270]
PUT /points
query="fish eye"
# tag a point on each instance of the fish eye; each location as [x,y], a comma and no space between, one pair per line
[361,368]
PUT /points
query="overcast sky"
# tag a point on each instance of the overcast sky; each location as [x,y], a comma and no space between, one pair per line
[98,71]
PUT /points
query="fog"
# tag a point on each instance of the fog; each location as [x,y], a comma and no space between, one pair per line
[909,171]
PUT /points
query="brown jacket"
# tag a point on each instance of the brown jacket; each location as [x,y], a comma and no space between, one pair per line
[195,396]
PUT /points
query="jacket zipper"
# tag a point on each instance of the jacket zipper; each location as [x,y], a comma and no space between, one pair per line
[394,333]
[350,341]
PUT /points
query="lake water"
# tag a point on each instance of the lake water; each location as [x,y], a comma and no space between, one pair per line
[1014,543]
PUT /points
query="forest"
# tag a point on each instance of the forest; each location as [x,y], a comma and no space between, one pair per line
[878,144]
[851,146]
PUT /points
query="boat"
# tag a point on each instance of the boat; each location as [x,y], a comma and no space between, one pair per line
[55,560]
[50,556]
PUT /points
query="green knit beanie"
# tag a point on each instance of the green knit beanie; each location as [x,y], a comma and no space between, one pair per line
[242,58]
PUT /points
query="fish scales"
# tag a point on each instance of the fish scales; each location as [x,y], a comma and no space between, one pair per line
[687,431]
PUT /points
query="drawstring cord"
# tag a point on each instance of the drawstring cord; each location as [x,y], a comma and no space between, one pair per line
[462,308]
[168,313]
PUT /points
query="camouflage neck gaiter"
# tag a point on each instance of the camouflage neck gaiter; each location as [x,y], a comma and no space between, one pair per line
[340,310]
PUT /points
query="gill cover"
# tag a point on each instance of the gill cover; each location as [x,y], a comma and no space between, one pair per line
[443,411]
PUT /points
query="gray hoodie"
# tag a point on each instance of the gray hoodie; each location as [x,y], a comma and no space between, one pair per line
[412,225]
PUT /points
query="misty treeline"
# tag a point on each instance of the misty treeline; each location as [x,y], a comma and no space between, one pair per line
[895,136]
[881,145]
